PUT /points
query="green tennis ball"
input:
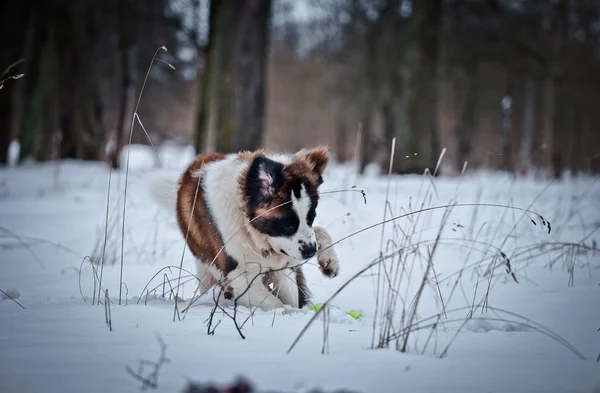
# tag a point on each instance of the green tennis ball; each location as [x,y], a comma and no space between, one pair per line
[316,307]
[354,314]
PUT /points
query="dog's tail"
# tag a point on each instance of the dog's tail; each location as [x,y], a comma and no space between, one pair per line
[163,186]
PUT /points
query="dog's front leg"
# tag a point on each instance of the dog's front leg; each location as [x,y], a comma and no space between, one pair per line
[326,256]
[253,293]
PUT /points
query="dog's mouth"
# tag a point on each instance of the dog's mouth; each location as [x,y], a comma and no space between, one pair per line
[283,252]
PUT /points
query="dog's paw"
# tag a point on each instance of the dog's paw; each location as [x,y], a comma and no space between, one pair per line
[329,267]
[288,310]
[270,303]
[326,256]
[328,261]
[228,292]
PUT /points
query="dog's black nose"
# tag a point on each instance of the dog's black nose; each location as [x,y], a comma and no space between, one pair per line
[308,250]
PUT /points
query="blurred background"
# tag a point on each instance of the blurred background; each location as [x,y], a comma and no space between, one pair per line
[509,85]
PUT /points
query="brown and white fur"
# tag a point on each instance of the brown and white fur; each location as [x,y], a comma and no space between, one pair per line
[247,214]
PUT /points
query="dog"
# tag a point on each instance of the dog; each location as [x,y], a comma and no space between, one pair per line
[248,220]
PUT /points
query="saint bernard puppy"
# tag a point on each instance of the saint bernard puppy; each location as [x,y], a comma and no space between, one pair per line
[248,220]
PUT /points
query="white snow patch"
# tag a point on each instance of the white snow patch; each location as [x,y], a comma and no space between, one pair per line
[61,342]
[14,150]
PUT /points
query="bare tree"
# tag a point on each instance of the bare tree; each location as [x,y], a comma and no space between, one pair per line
[232,106]
[127,86]
[419,133]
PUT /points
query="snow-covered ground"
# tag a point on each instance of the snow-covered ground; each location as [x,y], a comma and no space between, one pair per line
[53,216]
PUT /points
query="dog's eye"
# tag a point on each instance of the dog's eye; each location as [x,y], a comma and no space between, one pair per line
[288,229]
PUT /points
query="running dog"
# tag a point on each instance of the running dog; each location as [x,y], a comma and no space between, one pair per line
[248,220]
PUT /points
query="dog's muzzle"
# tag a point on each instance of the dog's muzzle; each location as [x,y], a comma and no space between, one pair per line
[308,250]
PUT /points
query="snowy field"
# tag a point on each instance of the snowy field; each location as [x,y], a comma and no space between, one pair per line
[464,322]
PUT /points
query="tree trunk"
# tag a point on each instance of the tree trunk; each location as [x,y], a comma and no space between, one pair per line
[14,17]
[574,135]
[551,156]
[551,86]
[389,121]
[61,98]
[466,125]
[18,97]
[341,138]
[453,98]
[366,142]
[578,146]
[528,126]
[201,144]
[506,148]
[419,132]
[228,31]
[40,91]
[127,80]
[232,107]
[216,88]
[251,75]
[561,131]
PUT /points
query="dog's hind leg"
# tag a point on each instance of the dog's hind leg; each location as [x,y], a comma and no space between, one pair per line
[206,279]
[285,287]
[304,294]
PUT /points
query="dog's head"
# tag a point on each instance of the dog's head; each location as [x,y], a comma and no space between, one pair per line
[282,199]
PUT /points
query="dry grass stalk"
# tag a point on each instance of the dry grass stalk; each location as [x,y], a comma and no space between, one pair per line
[176,309]
[13,77]
[12,298]
[407,241]
[387,193]
[326,323]
[150,380]
[516,319]
[11,66]
[107,313]
[424,281]
[25,245]
[135,117]
[105,232]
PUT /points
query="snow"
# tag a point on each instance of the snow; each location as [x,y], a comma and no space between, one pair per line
[60,342]
[14,149]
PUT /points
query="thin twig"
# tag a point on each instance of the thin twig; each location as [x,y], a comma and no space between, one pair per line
[135,114]
[107,313]
[337,292]
[151,380]
[18,238]
[105,231]
[387,193]
[176,309]
[11,298]
[14,64]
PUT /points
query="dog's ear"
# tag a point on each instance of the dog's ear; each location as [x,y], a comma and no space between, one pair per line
[317,158]
[263,180]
